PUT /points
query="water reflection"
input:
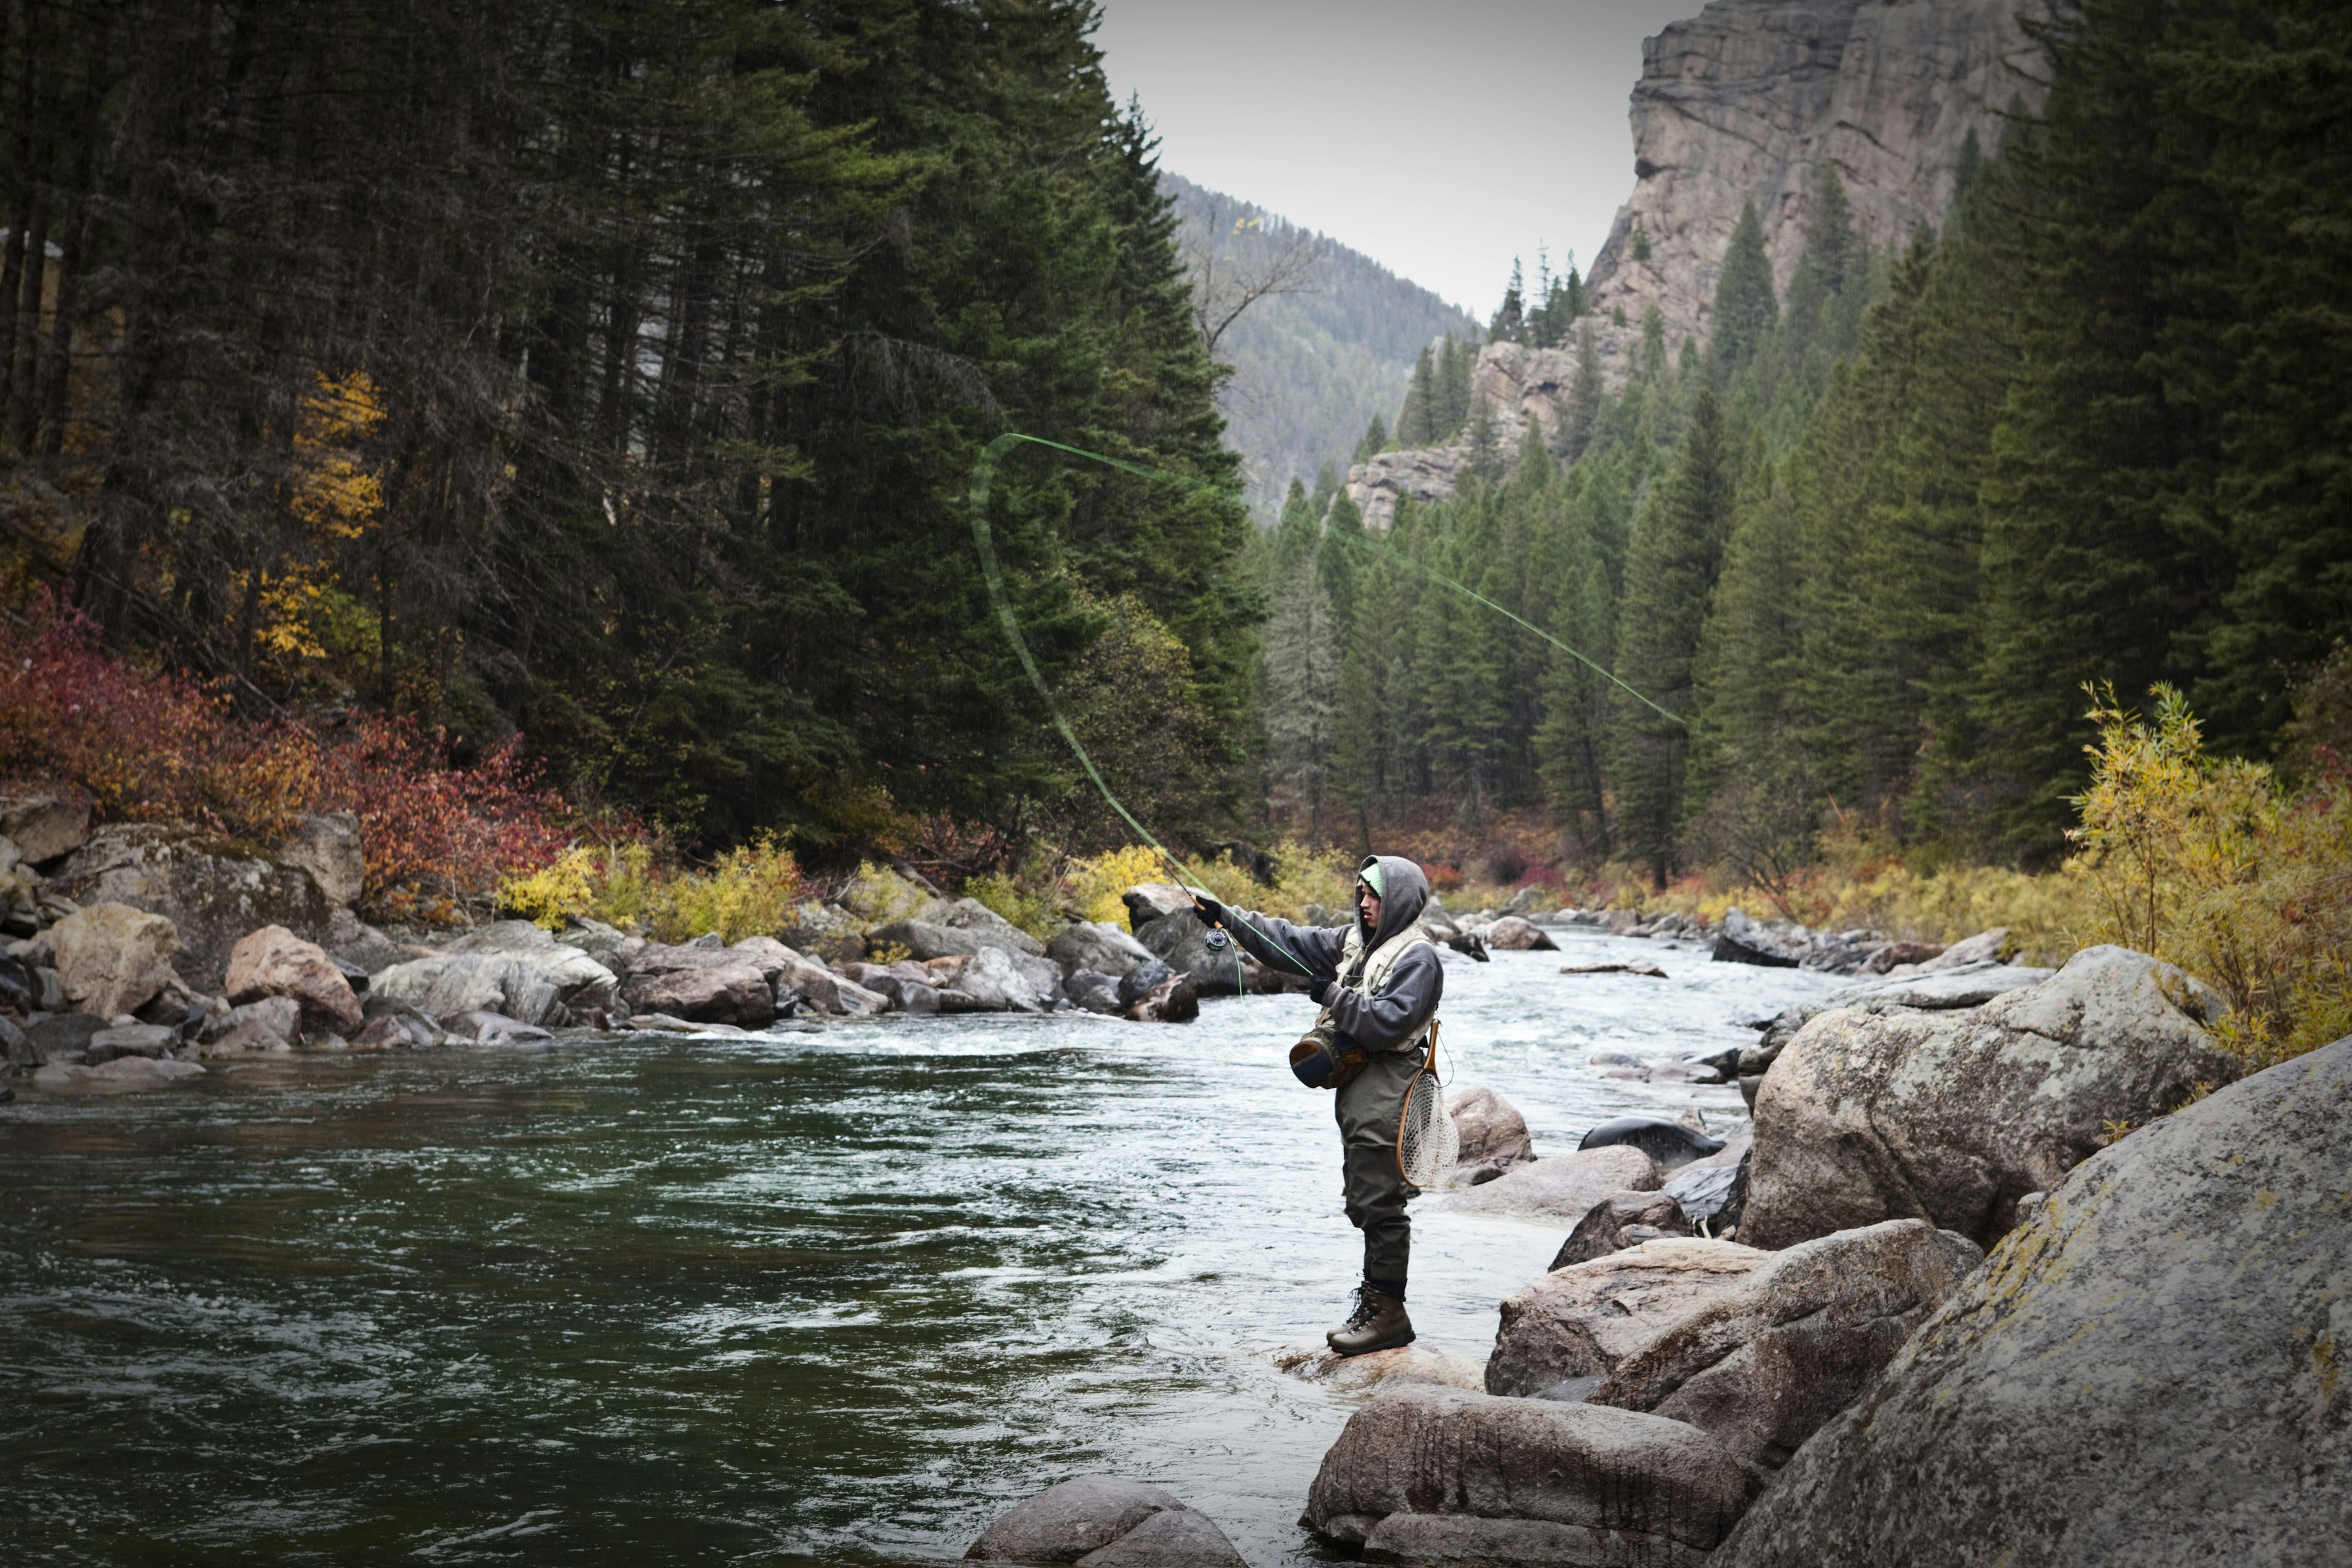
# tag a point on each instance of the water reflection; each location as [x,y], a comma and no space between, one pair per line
[823,1297]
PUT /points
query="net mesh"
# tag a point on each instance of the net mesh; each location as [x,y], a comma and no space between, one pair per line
[1427,1139]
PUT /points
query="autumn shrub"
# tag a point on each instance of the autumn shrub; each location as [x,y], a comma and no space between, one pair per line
[1095,882]
[144,744]
[1021,901]
[748,891]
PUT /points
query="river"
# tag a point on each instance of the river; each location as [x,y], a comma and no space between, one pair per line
[826,1297]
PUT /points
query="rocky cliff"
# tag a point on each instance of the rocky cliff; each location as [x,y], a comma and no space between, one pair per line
[1752,100]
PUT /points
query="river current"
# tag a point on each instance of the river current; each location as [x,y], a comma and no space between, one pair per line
[826,1297]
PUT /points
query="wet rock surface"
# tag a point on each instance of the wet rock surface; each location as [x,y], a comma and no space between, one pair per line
[1406,1364]
[1079,1518]
[1953,1116]
[2147,1370]
[1647,1488]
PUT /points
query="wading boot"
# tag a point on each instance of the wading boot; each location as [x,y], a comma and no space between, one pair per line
[1378,1324]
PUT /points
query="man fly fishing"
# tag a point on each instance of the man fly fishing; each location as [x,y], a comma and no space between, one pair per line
[1379,983]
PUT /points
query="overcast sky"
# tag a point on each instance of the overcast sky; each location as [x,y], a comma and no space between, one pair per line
[1439,139]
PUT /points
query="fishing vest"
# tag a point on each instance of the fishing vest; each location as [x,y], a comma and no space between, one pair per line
[1376,968]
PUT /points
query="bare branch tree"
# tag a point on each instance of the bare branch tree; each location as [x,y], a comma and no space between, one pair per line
[1236,262]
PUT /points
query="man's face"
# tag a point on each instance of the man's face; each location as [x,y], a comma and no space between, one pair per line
[1369,903]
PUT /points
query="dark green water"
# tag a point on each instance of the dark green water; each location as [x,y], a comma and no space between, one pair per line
[834,1296]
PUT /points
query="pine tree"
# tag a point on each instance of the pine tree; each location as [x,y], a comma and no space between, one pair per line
[1302,662]
[1509,320]
[1416,426]
[1745,305]
[1583,411]
[1670,575]
[1451,410]
[1375,441]
[1327,485]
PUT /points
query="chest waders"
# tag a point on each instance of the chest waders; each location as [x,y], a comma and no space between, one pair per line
[1372,1088]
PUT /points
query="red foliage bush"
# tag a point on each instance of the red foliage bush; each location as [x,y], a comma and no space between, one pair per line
[1445,878]
[153,745]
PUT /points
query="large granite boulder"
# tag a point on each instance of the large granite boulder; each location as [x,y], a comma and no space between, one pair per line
[988,981]
[1765,1365]
[2147,1370]
[1561,1186]
[982,924]
[1494,1136]
[212,891]
[1970,985]
[1147,902]
[528,987]
[584,985]
[1582,1321]
[1953,1117]
[1098,945]
[1419,1363]
[704,984]
[112,958]
[1742,941]
[1437,1475]
[1179,938]
[274,962]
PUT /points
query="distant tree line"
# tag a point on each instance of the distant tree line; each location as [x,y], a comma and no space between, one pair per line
[613,372]
[1866,544]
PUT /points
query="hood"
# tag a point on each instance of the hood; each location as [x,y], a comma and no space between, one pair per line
[1404,893]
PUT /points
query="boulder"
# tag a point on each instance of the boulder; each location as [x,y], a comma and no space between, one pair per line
[1172,1538]
[2147,1370]
[981,924]
[1972,986]
[327,845]
[518,984]
[1742,941]
[1179,938]
[827,932]
[1494,1136]
[1174,1001]
[1986,947]
[212,891]
[1765,1365]
[1582,1321]
[1712,1197]
[1424,1474]
[64,1038]
[1098,945]
[1670,1144]
[1514,933]
[150,1040]
[987,981]
[732,992]
[1418,1362]
[1902,952]
[16,1052]
[350,939]
[256,1026]
[112,958]
[274,962]
[1141,981]
[1147,902]
[924,939]
[395,1026]
[1619,1221]
[43,826]
[1954,1116]
[1648,971]
[1094,992]
[1562,1186]
[1063,1523]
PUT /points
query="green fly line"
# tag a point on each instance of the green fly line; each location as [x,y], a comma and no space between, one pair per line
[983,478]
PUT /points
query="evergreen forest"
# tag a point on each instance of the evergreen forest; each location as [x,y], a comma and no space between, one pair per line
[601,384]
[1850,564]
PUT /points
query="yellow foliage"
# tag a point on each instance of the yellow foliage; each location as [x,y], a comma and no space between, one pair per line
[556,892]
[1033,910]
[1095,883]
[749,891]
[335,494]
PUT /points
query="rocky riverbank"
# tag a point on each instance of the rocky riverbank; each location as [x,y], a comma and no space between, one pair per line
[2002,1276]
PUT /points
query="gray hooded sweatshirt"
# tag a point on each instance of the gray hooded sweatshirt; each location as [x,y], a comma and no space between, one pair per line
[1402,1007]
